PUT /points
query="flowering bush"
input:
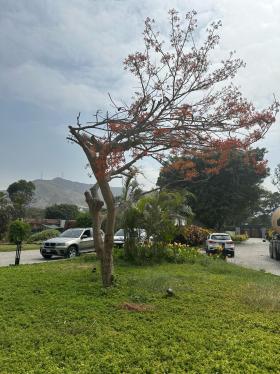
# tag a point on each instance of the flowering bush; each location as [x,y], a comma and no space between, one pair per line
[195,235]
[239,238]
[269,233]
[158,252]
[219,253]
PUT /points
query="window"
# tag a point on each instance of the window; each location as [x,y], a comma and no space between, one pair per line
[87,233]
[220,237]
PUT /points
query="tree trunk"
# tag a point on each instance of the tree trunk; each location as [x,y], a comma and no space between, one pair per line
[95,205]
[107,267]
[104,249]
[106,256]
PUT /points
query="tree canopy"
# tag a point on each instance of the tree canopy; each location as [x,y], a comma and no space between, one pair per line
[21,194]
[183,104]
[19,231]
[268,203]
[227,197]
[162,212]
[6,213]
[62,211]
[83,219]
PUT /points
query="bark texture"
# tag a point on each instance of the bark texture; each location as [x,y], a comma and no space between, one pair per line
[103,246]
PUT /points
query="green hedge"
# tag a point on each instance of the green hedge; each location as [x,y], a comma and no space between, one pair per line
[43,235]
[159,252]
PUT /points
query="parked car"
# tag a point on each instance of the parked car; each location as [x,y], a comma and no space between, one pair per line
[217,240]
[70,243]
[119,237]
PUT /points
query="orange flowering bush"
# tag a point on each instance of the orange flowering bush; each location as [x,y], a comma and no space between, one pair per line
[195,235]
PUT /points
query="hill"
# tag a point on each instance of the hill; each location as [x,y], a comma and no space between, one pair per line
[62,191]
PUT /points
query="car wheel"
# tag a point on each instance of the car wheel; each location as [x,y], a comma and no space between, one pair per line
[47,256]
[71,252]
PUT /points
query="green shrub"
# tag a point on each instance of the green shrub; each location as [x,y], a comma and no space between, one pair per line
[43,235]
[84,220]
[195,235]
[160,252]
[18,231]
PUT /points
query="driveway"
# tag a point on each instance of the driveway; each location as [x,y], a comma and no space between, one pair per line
[251,254]
[254,254]
[27,257]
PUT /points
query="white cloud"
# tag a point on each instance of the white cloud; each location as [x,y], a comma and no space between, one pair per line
[71,49]
[64,56]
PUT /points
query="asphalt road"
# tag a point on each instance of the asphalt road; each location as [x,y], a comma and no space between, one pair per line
[27,257]
[254,254]
[251,254]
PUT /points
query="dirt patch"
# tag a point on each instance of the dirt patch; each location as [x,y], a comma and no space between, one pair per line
[131,307]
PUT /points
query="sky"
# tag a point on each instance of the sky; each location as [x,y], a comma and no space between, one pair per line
[62,57]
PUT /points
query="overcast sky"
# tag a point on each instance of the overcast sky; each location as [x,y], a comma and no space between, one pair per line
[62,57]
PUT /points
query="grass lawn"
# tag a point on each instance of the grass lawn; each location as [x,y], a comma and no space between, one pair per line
[6,247]
[56,318]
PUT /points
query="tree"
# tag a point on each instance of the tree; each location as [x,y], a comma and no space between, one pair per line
[33,212]
[18,232]
[227,197]
[269,202]
[161,213]
[276,177]
[62,211]
[21,194]
[180,106]
[6,213]
[83,219]
[131,192]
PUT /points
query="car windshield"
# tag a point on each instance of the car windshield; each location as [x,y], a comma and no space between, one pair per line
[120,232]
[71,233]
[220,237]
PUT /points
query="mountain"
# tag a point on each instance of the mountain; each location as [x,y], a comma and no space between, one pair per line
[62,191]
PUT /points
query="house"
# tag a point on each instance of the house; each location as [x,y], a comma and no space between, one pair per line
[39,224]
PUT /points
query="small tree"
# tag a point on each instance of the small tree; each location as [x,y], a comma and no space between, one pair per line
[131,192]
[161,213]
[180,106]
[18,232]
